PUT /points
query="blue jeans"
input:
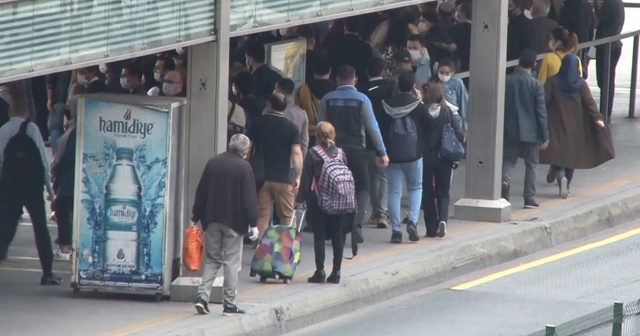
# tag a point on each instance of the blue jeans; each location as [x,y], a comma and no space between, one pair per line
[55,124]
[412,172]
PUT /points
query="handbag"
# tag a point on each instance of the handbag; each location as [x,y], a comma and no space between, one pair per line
[192,249]
[450,146]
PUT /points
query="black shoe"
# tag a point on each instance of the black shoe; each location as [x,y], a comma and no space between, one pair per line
[412,231]
[405,220]
[551,175]
[50,280]
[505,190]
[232,310]
[318,277]
[396,238]
[202,306]
[531,204]
[334,278]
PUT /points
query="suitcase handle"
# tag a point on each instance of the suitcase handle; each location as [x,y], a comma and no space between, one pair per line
[294,217]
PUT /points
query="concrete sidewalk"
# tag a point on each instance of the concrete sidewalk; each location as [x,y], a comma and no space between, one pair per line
[602,197]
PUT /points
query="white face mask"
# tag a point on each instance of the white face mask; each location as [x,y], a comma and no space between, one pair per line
[552,46]
[82,80]
[103,68]
[444,78]
[284,31]
[168,89]
[416,55]
[233,89]
[422,27]
[248,63]
[125,84]
[157,77]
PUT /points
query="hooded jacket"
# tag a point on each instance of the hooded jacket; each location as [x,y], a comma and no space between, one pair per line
[440,116]
[399,106]
[379,90]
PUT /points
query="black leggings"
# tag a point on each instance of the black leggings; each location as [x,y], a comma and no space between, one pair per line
[64,213]
[327,227]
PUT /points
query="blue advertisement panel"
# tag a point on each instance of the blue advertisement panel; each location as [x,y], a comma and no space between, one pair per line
[124,152]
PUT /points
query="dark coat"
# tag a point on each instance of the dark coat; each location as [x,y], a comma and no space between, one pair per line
[525,113]
[575,141]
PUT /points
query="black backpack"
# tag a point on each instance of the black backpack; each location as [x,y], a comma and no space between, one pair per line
[403,140]
[22,166]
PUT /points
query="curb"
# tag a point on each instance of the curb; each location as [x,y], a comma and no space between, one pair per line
[519,239]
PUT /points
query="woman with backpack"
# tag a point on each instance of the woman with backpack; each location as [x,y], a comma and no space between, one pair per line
[436,168]
[325,225]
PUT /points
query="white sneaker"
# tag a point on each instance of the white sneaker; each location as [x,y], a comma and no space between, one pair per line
[59,255]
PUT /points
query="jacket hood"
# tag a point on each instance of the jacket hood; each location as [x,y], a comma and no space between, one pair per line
[400,106]
[320,87]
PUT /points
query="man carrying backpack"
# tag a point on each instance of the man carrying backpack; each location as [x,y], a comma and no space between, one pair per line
[404,128]
[23,174]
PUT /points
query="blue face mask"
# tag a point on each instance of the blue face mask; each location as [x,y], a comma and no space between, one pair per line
[169,90]
[125,84]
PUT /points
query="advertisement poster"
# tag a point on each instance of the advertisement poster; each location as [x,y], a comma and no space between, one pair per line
[121,195]
[289,58]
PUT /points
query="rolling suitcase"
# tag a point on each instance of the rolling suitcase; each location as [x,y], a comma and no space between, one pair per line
[278,253]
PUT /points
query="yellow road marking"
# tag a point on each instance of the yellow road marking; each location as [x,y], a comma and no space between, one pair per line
[546,260]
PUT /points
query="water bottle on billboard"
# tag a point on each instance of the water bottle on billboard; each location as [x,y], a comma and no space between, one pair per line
[122,215]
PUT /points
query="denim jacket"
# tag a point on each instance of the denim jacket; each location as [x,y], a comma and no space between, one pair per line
[456,93]
[423,71]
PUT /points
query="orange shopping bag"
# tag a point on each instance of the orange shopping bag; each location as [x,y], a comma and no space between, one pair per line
[192,249]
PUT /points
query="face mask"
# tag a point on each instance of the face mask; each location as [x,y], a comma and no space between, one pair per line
[125,84]
[168,89]
[82,80]
[422,27]
[552,45]
[233,89]
[104,69]
[416,55]
[444,78]
[180,50]
[284,31]
[157,77]
[248,63]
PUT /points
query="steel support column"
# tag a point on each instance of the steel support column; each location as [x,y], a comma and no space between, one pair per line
[634,78]
[482,200]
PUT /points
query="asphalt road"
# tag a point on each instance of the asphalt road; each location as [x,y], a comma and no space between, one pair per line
[553,293]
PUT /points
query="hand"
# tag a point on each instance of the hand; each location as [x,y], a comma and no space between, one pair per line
[600,123]
[153,92]
[253,233]
[417,93]
[382,161]
[50,195]
[464,136]
[296,185]
[50,106]
[194,223]
[544,145]
[299,206]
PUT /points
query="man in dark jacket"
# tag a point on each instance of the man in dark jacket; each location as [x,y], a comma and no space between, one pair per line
[577,17]
[525,126]
[610,22]
[380,89]
[519,30]
[264,77]
[351,50]
[226,219]
[542,26]
[404,128]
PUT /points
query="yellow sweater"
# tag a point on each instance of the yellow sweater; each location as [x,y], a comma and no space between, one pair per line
[551,66]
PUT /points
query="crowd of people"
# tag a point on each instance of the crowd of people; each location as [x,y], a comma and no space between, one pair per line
[379,91]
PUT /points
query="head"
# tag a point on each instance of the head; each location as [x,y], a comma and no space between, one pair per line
[285,87]
[255,55]
[322,69]
[397,32]
[562,40]
[276,103]
[375,68]
[239,144]
[86,75]
[131,77]
[163,65]
[415,46]
[463,13]
[325,134]
[428,20]
[403,60]
[515,7]
[181,63]
[352,25]
[306,32]
[540,9]
[446,70]
[527,59]
[346,76]
[18,106]
[287,33]
[173,84]
[406,82]
[569,67]
[446,11]
[432,94]
[242,85]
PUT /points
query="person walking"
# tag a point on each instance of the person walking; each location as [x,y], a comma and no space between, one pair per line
[225,220]
[325,226]
[579,138]
[525,126]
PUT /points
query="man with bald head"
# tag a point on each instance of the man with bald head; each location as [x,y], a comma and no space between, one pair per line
[173,85]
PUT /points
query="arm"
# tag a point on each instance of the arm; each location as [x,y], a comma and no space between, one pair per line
[456,128]
[50,84]
[34,133]
[463,100]
[589,104]
[306,179]
[304,133]
[296,158]
[249,197]
[372,128]
[68,158]
[541,113]
[322,112]
[544,71]
[200,200]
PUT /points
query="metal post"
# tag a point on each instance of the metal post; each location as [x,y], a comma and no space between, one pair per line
[223,26]
[634,78]
[605,89]
[482,200]
[618,312]
[550,330]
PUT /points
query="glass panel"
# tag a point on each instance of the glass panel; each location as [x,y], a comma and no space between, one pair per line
[45,34]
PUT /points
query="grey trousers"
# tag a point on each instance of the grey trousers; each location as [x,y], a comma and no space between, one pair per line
[530,152]
[378,191]
[223,247]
